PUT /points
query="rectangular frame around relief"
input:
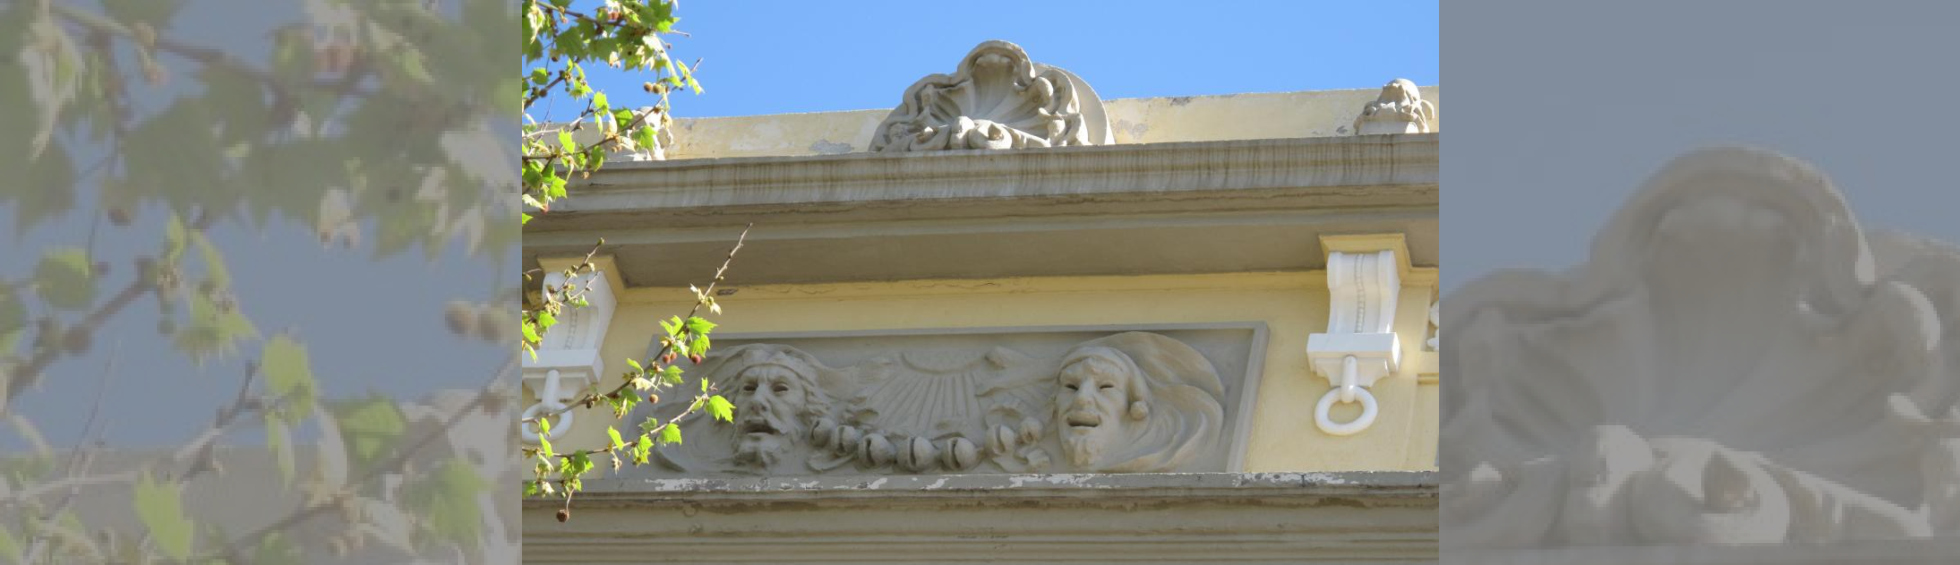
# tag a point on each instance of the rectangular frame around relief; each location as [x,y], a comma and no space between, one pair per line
[1241,420]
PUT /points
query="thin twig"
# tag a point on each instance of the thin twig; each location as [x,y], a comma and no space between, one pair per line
[719,273]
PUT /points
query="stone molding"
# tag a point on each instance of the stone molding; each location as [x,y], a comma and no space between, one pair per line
[1738,363]
[998,98]
[1344,517]
[1071,172]
[1266,198]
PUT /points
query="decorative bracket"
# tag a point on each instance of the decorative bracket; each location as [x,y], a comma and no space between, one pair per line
[1364,281]
[568,357]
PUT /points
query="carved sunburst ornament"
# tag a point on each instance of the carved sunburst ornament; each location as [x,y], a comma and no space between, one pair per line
[1739,363]
[997,99]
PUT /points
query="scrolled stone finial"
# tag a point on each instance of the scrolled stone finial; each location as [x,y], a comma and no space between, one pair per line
[1399,109]
[998,98]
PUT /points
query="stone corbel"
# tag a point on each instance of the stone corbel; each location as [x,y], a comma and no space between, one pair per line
[1364,282]
[568,357]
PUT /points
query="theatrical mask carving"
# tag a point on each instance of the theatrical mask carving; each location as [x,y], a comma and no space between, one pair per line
[1131,402]
[778,398]
[1135,402]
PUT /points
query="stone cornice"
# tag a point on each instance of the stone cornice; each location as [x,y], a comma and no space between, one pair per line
[1399,169]
[1096,210]
[1124,518]
[1366,488]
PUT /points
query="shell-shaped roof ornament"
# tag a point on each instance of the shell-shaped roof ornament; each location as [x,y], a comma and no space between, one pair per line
[998,98]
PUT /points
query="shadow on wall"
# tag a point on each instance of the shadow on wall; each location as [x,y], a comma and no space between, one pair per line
[1738,367]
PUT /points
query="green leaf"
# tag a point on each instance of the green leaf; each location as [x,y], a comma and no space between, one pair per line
[699,326]
[66,279]
[175,237]
[446,502]
[9,547]
[576,465]
[642,450]
[214,262]
[614,435]
[544,439]
[289,375]
[671,375]
[161,508]
[13,314]
[650,425]
[369,427]
[720,408]
[623,404]
[643,135]
[670,435]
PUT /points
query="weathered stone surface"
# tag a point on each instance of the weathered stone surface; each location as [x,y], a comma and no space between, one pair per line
[1376,517]
[1731,367]
[1399,109]
[1128,210]
[1009,401]
[997,99]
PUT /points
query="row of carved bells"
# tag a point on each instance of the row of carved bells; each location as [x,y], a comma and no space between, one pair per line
[917,454]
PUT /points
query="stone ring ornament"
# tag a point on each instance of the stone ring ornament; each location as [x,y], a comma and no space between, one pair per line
[530,430]
[548,401]
[1347,392]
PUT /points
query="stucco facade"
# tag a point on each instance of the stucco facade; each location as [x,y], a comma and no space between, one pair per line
[1188,239]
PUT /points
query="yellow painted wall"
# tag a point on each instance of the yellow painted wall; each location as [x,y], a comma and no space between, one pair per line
[1292,305]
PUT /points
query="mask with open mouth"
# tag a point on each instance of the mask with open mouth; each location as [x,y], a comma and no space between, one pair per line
[771,403]
[1135,402]
[1097,385]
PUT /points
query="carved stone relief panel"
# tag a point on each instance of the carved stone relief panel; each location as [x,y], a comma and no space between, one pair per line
[1033,400]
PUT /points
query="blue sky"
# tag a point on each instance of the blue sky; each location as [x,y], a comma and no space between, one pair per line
[772,57]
